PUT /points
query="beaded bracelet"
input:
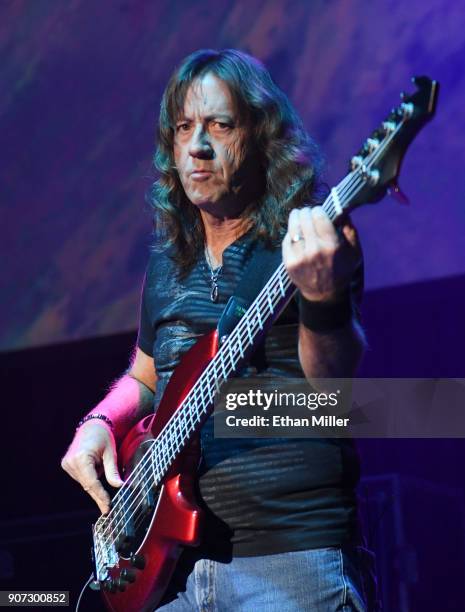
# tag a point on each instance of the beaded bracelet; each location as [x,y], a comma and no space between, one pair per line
[96,415]
[324,316]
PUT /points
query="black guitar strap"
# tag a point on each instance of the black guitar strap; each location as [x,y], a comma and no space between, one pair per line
[258,271]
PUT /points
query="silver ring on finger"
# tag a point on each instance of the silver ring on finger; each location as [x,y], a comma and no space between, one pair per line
[296,238]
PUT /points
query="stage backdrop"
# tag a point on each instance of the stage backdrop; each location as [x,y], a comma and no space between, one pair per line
[80,88]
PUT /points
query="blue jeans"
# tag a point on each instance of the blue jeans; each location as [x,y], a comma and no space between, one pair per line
[319,580]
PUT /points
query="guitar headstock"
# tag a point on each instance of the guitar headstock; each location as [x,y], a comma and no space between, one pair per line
[377,165]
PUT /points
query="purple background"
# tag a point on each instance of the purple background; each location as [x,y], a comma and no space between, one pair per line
[80,87]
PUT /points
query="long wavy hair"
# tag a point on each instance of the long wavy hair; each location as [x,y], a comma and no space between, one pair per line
[289,159]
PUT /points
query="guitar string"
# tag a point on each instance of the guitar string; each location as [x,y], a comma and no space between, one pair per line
[348,183]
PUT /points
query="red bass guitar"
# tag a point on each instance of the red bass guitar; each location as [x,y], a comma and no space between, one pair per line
[154,514]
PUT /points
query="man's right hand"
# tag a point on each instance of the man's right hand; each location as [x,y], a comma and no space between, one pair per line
[93,449]
[92,452]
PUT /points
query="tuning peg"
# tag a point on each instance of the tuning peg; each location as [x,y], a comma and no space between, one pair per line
[403,95]
[396,192]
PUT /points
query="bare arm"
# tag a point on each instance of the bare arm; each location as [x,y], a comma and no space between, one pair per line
[94,445]
[131,396]
[331,355]
[321,264]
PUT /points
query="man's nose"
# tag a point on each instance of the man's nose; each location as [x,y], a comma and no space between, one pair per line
[200,145]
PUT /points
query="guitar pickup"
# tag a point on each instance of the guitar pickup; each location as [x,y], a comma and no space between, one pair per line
[124,520]
[125,542]
[148,501]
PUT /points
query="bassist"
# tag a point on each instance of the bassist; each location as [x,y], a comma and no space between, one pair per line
[237,170]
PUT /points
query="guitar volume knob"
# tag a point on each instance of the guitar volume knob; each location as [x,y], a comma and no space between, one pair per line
[138,561]
[110,585]
[128,575]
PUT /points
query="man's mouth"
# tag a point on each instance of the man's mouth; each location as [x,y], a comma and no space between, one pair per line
[200,175]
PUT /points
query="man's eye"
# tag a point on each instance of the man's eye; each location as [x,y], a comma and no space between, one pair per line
[221,126]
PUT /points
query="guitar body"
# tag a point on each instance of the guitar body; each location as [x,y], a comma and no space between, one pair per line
[176,520]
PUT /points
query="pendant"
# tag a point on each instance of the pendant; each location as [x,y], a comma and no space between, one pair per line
[214,292]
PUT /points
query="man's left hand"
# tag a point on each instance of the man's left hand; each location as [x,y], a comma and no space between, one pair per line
[319,262]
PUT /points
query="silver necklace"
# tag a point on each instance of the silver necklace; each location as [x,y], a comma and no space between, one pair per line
[214,274]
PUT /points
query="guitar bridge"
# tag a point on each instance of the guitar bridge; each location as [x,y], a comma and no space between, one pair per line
[104,555]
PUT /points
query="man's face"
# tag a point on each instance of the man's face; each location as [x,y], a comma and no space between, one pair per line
[211,148]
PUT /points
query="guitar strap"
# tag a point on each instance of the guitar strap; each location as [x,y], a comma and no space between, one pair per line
[258,271]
